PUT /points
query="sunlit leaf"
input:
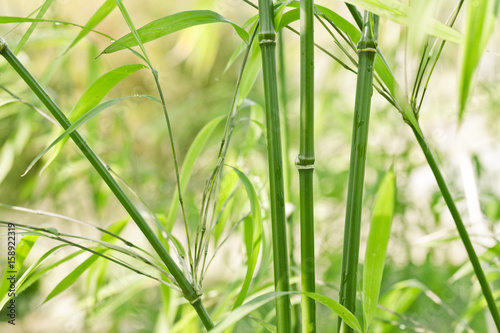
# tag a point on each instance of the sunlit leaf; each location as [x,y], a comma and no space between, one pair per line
[253,236]
[399,13]
[480,21]
[94,94]
[103,11]
[170,24]
[376,247]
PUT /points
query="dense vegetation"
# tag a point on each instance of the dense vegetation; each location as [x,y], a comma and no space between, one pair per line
[148,156]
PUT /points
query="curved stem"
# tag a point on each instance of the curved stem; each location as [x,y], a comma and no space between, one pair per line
[462,231]
[189,292]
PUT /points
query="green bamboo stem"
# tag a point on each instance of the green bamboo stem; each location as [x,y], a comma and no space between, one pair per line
[287,172]
[267,41]
[364,88]
[462,231]
[305,164]
[189,292]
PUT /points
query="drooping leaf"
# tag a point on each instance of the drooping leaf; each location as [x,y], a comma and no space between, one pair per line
[93,96]
[103,11]
[23,282]
[170,24]
[480,21]
[242,311]
[376,247]
[82,120]
[29,32]
[14,265]
[399,13]
[253,236]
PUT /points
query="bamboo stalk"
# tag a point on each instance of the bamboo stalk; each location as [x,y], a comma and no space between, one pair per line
[282,87]
[189,292]
[267,41]
[462,231]
[367,50]
[305,164]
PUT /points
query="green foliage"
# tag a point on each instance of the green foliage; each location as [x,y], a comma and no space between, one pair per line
[200,191]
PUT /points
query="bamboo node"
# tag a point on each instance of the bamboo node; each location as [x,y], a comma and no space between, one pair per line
[304,164]
[368,49]
[3,45]
[267,41]
[193,298]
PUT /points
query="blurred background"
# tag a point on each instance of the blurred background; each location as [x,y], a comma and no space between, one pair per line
[428,284]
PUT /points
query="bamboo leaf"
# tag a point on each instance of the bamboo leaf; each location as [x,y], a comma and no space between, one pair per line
[103,11]
[341,23]
[93,95]
[21,283]
[170,24]
[13,267]
[82,120]
[254,304]
[72,277]
[376,247]
[33,25]
[188,165]
[399,13]
[253,236]
[480,21]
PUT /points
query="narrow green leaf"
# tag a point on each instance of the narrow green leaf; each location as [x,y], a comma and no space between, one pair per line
[259,301]
[94,94]
[14,265]
[480,21]
[27,35]
[22,283]
[116,228]
[399,13]
[253,236]
[376,247]
[103,11]
[82,120]
[188,165]
[341,23]
[251,72]
[71,278]
[170,24]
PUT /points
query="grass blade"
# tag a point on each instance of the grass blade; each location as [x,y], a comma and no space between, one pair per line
[93,95]
[376,246]
[103,11]
[399,13]
[253,236]
[259,301]
[480,21]
[33,25]
[170,24]
[82,120]
[14,265]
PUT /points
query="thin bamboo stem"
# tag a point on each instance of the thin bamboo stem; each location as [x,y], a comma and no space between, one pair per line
[287,172]
[462,231]
[305,164]
[189,292]
[267,41]
[367,50]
